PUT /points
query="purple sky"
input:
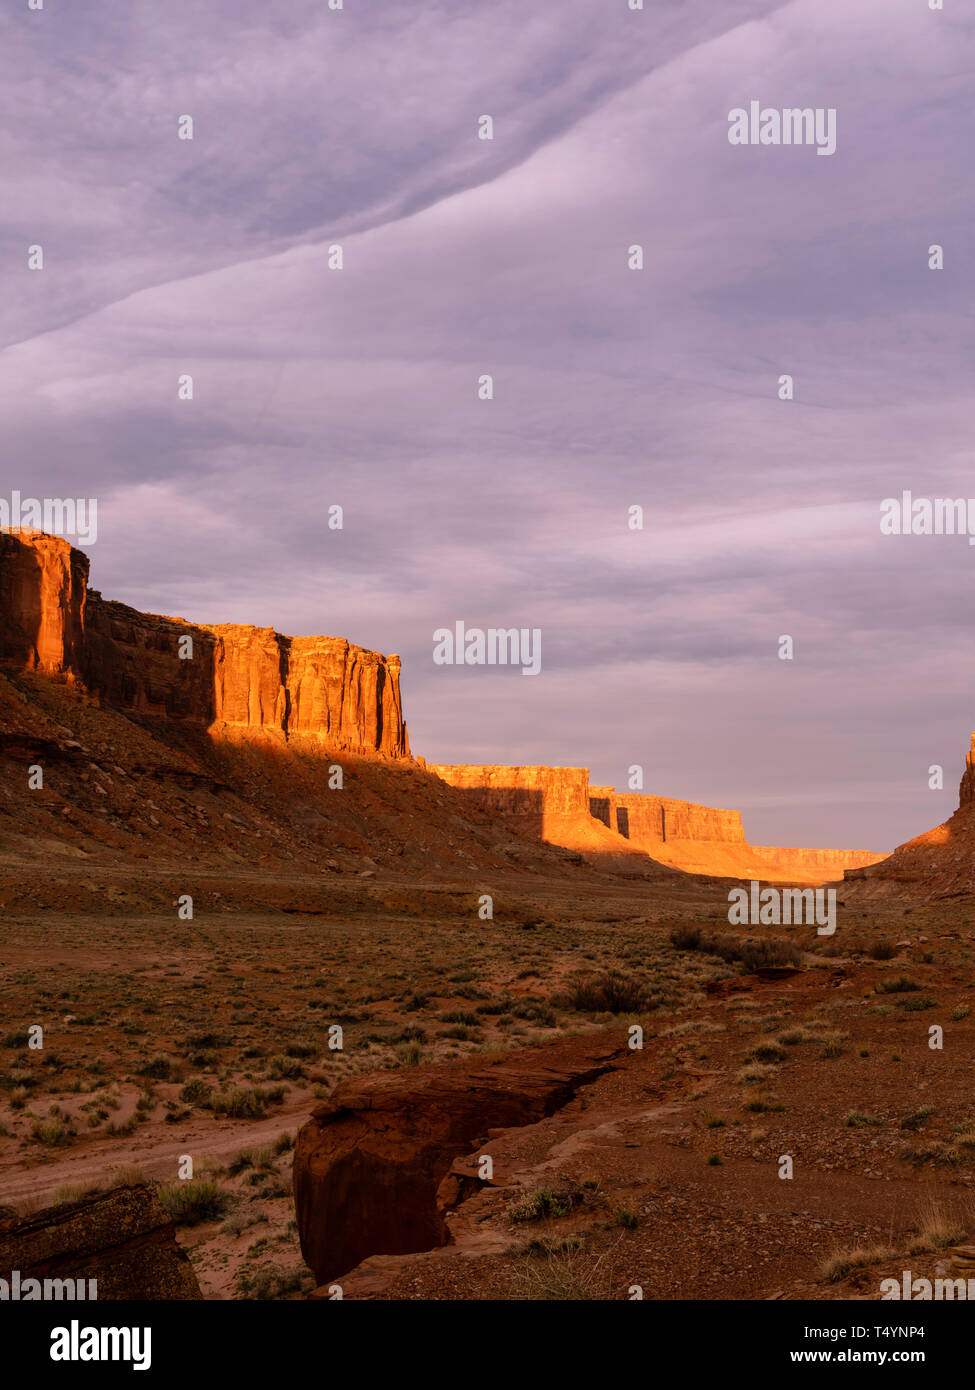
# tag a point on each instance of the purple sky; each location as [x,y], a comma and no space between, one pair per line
[612,387]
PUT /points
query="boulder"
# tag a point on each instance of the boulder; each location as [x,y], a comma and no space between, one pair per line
[122,1239]
[369,1162]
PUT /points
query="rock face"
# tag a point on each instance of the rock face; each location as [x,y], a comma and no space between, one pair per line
[369,1162]
[121,1239]
[558,804]
[235,675]
[547,795]
[42,603]
[131,660]
[651,820]
[536,794]
[939,863]
[966,791]
[236,679]
[822,861]
[544,803]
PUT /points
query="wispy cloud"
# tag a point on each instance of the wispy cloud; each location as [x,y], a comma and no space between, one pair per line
[613,388]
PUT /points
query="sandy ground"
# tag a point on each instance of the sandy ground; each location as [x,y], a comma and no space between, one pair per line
[146,1020]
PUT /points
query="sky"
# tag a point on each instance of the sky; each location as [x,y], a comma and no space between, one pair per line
[316,387]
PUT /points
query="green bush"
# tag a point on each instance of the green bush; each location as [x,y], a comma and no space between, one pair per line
[195,1200]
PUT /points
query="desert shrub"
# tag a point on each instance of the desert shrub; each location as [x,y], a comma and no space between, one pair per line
[883,950]
[285,1069]
[844,1262]
[568,1274]
[207,1041]
[612,992]
[916,1118]
[753,954]
[937,1229]
[685,938]
[411,1033]
[54,1133]
[195,1092]
[545,1201]
[158,1068]
[239,1221]
[792,1037]
[270,1281]
[902,985]
[198,1199]
[761,1105]
[75,1191]
[251,1158]
[127,1175]
[535,1011]
[755,1072]
[497,1006]
[242,1104]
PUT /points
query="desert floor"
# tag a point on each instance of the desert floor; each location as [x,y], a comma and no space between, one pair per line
[210,1038]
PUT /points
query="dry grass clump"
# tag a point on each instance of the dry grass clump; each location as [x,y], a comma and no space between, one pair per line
[752,954]
[843,1262]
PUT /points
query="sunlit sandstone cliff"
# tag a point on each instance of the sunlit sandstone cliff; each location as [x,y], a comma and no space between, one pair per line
[558,804]
[231,675]
[939,863]
[249,682]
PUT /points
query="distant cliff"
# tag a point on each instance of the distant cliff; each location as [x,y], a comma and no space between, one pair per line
[531,793]
[938,864]
[232,674]
[558,804]
[652,820]
[43,583]
[254,681]
[966,790]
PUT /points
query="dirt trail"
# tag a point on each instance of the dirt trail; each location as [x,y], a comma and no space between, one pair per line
[158,1158]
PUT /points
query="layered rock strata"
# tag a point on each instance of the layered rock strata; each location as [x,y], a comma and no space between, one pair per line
[370,1161]
[123,1240]
[230,674]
